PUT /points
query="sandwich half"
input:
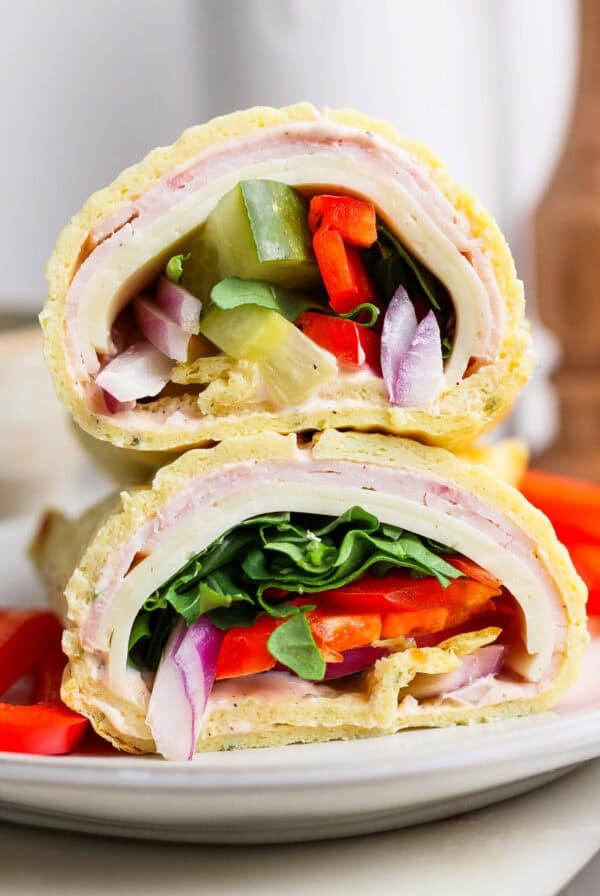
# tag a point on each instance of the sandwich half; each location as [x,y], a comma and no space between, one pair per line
[287,270]
[270,591]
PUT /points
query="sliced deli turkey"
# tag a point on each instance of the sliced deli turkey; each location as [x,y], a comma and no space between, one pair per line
[269,591]
[286,270]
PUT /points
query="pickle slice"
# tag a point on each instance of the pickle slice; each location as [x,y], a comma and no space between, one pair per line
[293,367]
[257,231]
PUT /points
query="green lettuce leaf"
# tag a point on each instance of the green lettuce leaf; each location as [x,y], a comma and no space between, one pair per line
[233,292]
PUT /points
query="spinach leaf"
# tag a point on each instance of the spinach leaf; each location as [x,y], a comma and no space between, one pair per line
[292,644]
[393,264]
[233,292]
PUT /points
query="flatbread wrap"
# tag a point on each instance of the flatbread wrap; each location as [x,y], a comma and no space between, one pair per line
[271,590]
[287,270]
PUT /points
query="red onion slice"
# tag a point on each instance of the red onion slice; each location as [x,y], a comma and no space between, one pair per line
[181,306]
[141,371]
[356,660]
[160,330]
[411,354]
[485,661]
[182,686]
[113,406]
[397,334]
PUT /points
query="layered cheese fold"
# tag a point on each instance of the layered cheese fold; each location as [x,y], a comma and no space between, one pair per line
[425,491]
[123,236]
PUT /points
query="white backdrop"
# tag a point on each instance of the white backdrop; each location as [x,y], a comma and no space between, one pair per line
[89,87]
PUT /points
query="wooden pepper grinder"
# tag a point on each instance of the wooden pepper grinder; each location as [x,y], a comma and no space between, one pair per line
[567,237]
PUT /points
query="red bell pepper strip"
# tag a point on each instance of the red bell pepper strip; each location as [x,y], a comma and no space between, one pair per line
[30,643]
[49,673]
[350,342]
[573,508]
[399,593]
[25,636]
[47,728]
[353,218]
[344,275]
[244,650]
[568,502]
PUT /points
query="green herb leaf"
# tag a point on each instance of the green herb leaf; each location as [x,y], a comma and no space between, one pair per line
[367,308]
[174,268]
[292,644]
[233,292]
[140,629]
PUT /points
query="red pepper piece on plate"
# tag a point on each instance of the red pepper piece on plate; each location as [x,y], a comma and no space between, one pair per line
[353,218]
[25,636]
[30,643]
[48,728]
[573,507]
[350,342]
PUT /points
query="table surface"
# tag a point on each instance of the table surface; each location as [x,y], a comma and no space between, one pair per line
[532,845]
[529,846]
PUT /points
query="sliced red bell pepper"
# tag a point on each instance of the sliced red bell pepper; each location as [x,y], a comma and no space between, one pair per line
[30,643]
[414,622]
[586,560]
[568,502]
[49,673]
[244,650]
[573,507]
[47,728]
[398,592]
[344,275]
[25,636]
[353,218]
[350,342]
[342,632]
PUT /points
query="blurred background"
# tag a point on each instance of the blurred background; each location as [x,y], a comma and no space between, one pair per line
[88,88]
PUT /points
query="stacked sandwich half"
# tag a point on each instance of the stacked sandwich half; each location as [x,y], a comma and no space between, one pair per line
[294,318]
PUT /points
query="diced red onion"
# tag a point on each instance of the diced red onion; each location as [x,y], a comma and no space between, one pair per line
[141,371]
[182,686]
[121,333]
[181,306]
[113,406]
[411,354]
[485,661]
[356,660]
[168,338]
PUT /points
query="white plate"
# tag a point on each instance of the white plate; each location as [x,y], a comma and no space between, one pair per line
[291,793]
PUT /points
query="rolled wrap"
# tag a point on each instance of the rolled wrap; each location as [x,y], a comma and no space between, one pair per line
[424,490]
[124,234]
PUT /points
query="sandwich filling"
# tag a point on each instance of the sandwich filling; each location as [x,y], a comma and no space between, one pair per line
[276,582]
[265,268]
